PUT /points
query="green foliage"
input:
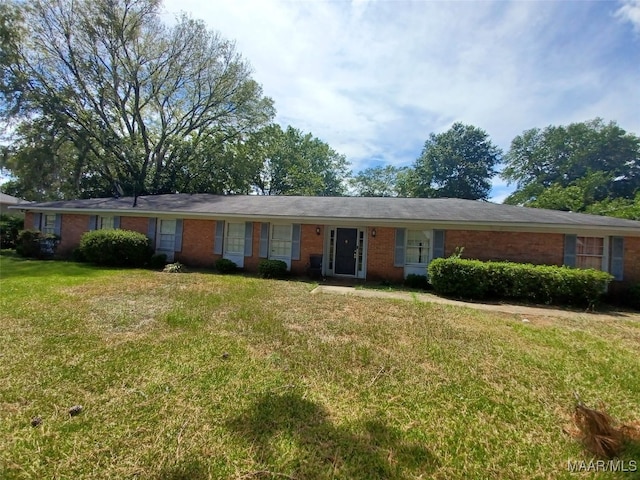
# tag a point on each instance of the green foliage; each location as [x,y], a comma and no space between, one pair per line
[417,281]
[575,166]
[35,244]
[272,269]
[533,283]
[458,163]
[384,181]
[633,296]
[10,226]
[158,260]
[296,163]
[93,134]
[224,265]
[116,248]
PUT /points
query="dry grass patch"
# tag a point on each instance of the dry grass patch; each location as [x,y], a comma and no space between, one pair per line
[236,377]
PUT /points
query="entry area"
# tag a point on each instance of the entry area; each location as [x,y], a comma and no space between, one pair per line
[346,252]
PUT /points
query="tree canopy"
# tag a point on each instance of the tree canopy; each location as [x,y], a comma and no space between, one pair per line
[572,167]
[387,181]
[295,163]
[458,163]
[137,100]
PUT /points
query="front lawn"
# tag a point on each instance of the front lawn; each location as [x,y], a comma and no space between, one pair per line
[197,376]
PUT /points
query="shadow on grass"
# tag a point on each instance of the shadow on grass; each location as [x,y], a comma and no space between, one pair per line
[288,426]
[13,266]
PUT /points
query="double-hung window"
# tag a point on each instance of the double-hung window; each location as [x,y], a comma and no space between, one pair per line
[418,245]
[235,239]
[167,231]
[105,223]
[280,241]
[590,252]
[49,224]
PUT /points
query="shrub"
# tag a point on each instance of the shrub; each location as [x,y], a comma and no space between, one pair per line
[158,260]
[77,256]
[533,283]
[272,269]
[35,244]
[10,227]
[633,296]
[118,248]
[417,281]
[224,265]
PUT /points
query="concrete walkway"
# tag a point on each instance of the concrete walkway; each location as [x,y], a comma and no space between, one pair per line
[492,307]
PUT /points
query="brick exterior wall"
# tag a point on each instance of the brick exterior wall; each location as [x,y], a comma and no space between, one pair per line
[28,221]
[632,259]
[251,263]
[380,255]
[310,243]
[197,243]
[136,224]
[538,248]
[71,229]
[199,237]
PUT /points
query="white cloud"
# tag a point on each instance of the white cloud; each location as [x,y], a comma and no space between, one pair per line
[630,11]
[374,78]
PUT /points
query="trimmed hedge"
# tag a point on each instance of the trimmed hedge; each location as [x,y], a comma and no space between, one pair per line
[532,283]
[116,248]
[224,266]
[272,269]
[35,244]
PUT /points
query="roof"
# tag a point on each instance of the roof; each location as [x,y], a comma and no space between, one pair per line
[11,200]
[380,210]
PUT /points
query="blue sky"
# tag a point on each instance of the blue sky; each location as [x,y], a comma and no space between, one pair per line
[374,78]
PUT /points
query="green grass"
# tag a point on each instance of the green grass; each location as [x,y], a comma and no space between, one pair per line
[197,376]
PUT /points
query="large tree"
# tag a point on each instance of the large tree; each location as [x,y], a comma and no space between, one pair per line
[571,167]
[458,163]
[387,181]
[296,163]
[129,92]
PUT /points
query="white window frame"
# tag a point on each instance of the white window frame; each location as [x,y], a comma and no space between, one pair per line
[283,242]
[49,223]
[426,249]
[231,237]
[604,264]
[106,223]
[166,240]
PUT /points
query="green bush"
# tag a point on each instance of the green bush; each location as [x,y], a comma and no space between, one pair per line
[272,269]
[533,283]
[632,297]
[158,260]
[417,281]
[10,227]
[117,248]
[224,265]
[35,244]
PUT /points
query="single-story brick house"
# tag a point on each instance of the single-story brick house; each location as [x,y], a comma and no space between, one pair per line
[364,238]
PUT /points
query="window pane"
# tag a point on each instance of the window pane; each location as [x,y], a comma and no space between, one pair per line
[49,224]
[589,252]
[167,227]
[235,238]
[106,223]
[281,241]
[417,247]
